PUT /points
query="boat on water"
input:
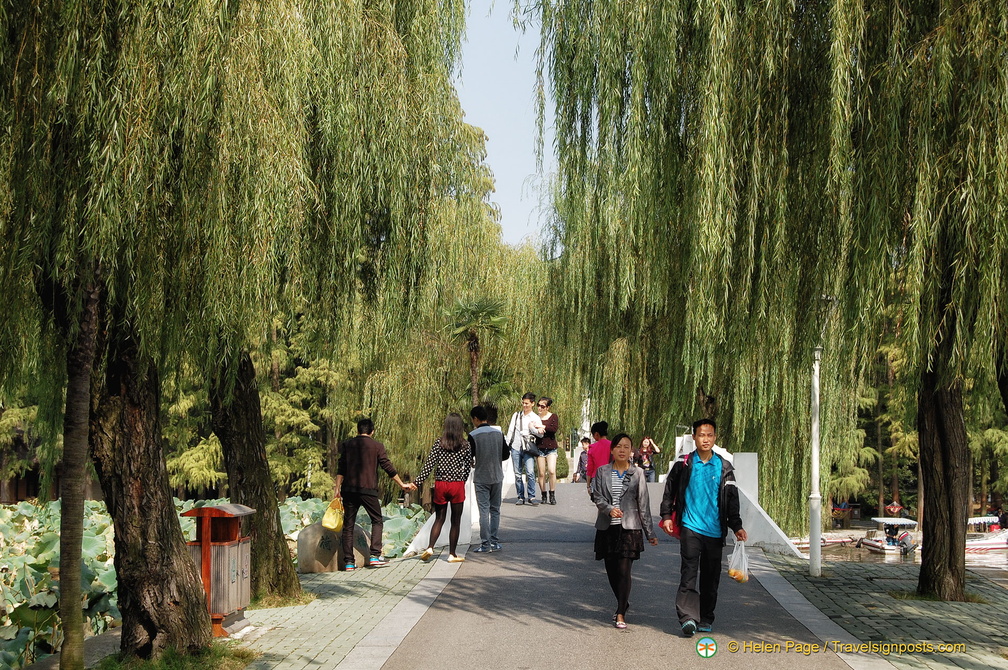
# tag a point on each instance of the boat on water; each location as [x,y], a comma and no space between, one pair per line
[803,543]
[896,540]
[981,543]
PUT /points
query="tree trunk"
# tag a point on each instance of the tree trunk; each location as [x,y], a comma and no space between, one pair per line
[1002,378]
[945,471]
[332,447]
[236,417]
[881,461]
[474,371]
[707,404]
[160,594]
[894,481]
[80,362]
[6,490]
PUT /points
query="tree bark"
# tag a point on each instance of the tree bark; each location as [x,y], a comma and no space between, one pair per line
[236,417]
[6,490]
[1002,379]
[894,480]
[80,362]
[881,460]
[160,594]
[707,404]
[474,350]
[944,458]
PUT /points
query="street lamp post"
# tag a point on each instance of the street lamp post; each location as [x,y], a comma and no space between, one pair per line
[815,499]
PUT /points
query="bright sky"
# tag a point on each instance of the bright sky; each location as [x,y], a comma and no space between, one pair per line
[497,91]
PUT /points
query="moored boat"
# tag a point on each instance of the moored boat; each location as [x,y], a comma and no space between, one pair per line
[997,541]
[803,543]
[896,540]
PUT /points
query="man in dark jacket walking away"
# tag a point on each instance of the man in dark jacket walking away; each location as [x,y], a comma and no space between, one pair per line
[357,484]
[701,491]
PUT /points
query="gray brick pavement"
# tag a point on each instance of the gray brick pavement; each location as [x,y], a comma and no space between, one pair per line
[338,629]
[856,597]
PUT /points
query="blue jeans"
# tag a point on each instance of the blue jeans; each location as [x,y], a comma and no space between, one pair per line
[517,459]
[488,501]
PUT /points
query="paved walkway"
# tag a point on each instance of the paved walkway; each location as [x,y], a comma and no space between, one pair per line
[544,602]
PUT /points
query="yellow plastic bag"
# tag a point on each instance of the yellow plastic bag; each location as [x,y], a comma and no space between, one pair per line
[333,517]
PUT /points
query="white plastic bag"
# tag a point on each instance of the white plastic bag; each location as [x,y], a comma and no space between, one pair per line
[738,566]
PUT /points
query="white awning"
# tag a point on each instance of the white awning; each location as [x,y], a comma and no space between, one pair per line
[894,521]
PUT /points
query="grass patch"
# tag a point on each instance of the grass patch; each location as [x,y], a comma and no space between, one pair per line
[218,656]
[270,600]
[912,595]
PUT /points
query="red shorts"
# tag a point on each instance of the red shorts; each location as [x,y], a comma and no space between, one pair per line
[446,492]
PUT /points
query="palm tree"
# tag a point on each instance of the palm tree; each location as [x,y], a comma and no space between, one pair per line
[469,321]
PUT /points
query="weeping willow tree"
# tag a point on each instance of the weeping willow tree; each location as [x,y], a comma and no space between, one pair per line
[723,166]
[168,175]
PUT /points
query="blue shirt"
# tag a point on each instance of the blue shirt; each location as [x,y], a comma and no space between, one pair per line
[701,514]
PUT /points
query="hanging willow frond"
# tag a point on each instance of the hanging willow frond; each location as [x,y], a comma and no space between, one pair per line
[723,165]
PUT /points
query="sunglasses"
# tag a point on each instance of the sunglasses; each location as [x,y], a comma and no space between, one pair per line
[542,406]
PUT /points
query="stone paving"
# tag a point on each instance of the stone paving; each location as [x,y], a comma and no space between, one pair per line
[360,618]
[857,597]
[349,606]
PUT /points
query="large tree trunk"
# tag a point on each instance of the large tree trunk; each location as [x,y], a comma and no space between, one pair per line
[160,595]
[236,417]
[80,362]
[944,465]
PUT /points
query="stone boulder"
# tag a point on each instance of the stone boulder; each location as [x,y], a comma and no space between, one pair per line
[320,549]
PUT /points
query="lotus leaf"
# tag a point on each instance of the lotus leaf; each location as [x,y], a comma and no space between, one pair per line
[43,600]
[107,578]
[94,547]
[36,618]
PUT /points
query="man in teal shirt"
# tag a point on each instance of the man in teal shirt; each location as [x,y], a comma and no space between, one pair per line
[701,490]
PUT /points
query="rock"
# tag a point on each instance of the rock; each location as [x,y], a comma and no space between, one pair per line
[320,549]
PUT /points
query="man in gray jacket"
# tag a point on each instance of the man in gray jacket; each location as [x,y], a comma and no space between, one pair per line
[489,451]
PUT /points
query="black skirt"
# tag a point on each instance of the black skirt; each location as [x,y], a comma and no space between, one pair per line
[618,542]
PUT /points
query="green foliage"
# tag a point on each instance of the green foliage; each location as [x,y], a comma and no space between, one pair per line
[562,466]
[16,430]
[29,556]
[699,142]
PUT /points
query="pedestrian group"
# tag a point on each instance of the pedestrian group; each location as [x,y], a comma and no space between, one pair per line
[699,505]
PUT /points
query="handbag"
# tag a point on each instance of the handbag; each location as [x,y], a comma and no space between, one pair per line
[333,517]
[532,446]
[529,446]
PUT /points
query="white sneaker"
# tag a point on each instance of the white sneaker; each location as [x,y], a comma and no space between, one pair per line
[427,554]
[452,558]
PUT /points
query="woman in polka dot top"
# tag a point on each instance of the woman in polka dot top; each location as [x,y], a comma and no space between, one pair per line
[451,460]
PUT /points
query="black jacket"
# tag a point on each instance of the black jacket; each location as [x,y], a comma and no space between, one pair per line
[728,499]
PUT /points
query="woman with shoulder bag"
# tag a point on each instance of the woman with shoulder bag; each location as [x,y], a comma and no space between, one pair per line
[619,490]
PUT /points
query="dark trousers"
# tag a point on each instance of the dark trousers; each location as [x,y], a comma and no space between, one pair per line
[351,503]
[701,574]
